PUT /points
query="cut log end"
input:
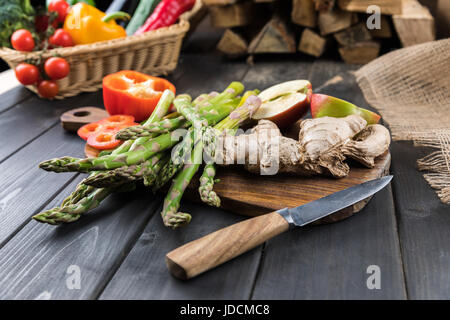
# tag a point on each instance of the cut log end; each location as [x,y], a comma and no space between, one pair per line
[311,43]
[275,37]
[303,13]
[353,35]
[334,21]
[415,25]
[360,53]
[232,44]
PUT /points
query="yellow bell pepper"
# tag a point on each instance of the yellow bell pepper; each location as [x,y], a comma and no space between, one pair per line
[87,24]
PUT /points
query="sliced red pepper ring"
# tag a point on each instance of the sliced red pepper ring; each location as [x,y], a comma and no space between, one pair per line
[103,140]
[85,131]
[118,119]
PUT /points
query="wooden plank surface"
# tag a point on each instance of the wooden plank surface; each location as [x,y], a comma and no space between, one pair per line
[143,274]
[330,262]
[13,96]
[34,116]
[38,262]
[423,223]
[26,188]
[318,262]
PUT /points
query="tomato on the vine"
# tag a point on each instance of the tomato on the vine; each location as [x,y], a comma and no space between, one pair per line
[22,40]
[27,73]
[61,38]
[59,6]
[56,68]
[48,89]
[41,23]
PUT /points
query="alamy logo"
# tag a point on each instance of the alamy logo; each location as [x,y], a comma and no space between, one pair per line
[374,20]
[374,280]
[73,281]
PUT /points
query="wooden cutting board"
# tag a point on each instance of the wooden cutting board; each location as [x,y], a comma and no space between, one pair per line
[252,195]
[248,194]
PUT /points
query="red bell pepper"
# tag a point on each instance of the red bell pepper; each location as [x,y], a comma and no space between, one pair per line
[166,13]
[133,93]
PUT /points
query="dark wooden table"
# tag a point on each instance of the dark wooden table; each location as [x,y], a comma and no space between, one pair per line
[119,248]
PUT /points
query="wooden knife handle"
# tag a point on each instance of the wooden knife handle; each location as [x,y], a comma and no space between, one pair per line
[225,244]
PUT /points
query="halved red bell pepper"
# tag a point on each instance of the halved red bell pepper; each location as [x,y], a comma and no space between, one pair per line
[133,93]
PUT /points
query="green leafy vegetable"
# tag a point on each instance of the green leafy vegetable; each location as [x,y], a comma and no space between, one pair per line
[15,14]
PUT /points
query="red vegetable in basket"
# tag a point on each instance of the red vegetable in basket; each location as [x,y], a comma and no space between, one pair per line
[56,68]
[61,38]
[166,13]
[27,74]
[60,7]
[22,40]
[48,89]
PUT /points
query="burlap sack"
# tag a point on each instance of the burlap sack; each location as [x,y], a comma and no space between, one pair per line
[411,89]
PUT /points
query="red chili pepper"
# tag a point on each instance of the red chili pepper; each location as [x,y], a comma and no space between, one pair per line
[166,13]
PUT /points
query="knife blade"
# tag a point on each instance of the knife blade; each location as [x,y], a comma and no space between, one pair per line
[315,210]
[225,244]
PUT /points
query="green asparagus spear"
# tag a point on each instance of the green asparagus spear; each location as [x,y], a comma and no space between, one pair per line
[116,177]
[144,148]
[207,180]
[171,217]
[183,105]
[73,211]
[248,105]
[163,126]
[179,153]
[150,177]
[84,194]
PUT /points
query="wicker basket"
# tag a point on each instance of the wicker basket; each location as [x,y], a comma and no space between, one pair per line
[155,52]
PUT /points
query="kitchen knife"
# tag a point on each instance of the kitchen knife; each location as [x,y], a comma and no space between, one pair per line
[225,244]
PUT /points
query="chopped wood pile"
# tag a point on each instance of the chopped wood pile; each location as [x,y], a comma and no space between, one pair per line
[315,27]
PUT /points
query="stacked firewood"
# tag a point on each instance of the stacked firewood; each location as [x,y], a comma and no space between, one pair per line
[318,26]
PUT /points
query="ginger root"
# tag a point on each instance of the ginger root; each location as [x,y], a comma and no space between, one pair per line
[368,144]
[321,149]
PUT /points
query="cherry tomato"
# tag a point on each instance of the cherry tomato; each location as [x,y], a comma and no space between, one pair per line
[61,38]
[56,68]
[27,73]
[22,40]
[59,6]
[118,119]
[48,89]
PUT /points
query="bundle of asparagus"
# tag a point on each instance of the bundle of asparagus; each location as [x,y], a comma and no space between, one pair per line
[153,154]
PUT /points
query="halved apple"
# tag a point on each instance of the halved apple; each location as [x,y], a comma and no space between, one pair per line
[323,106]
[285,103]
